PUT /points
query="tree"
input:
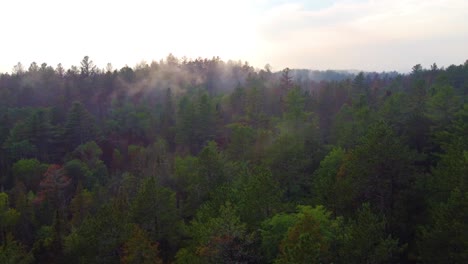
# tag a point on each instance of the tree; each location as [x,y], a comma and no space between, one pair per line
[187,185]
[99,238]
[17,145]
[33,68]
[352,123]
[360,90]
[158,161]
[237,101]
[287,160]
[419,123]
[205,120]
[53,187]
[210,168]
[60,70]
[29,172]
[40,133]
[89,153]
[259,196]
[154,210]
[311,238]
[241,142]
[325,177]
[442,107]
[295,103]
[221,238]
[13,252]
[452,167]
[364,240]
[379,171]
[140,249]
[445,237]
[417,70]
[87,166]
[168,121]
[8,218]
[79,127]
[255,106]
[80,206]
[18,69]
[23,203]
[272,232]
[53,196]
[286,79]
[87,67]
[185,123]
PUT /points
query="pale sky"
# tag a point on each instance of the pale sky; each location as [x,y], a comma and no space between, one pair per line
[372,35]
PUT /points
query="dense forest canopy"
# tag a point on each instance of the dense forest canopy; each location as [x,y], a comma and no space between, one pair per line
[206,161]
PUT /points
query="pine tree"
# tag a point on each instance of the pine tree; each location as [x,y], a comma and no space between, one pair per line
[79,127]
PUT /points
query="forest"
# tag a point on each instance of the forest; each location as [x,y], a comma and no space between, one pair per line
[206,161]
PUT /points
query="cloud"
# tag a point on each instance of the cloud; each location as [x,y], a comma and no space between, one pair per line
[344,34]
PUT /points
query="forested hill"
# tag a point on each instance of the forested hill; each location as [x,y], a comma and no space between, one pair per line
[204,161]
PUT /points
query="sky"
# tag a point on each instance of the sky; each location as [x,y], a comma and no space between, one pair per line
[370,35]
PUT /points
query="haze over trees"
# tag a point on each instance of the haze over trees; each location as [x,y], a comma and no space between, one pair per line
[206,161]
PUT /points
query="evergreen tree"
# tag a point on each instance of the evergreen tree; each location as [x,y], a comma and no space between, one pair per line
[79,127]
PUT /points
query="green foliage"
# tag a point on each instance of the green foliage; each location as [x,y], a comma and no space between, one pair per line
[196,120]
[80,126]
[80,206]
[450,172]
[99,238]
[237,101]
[258,197]
[311,238]
[18,144]
[210,167]
[273,230]
[351,123]
[13,252]
[86,167]
[205,161]
[154,210]
[187,185]
[134,122]
[29,172]
[288,161]
[139,249]
[364,240]
[325,177]
[295,103]
[40,132]
[396,111]
[255,105]
[186,118]
[445,238]
[219,238]
[89,153]
[136,159]
[242,140]
[360,91]
[442,106]
[378,171]
[8,217]
[158,161]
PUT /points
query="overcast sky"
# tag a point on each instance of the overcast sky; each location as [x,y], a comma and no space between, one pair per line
[380,35]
